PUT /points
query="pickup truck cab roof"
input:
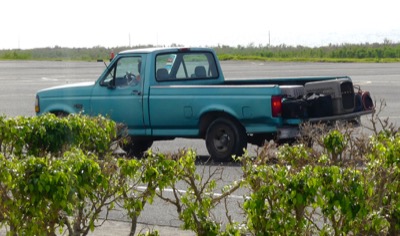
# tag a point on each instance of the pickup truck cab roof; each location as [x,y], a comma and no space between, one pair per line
[163,50]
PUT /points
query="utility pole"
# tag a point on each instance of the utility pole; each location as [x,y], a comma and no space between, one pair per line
[269,38]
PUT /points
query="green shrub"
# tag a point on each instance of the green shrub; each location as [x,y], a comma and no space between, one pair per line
[48,134]
[59,174]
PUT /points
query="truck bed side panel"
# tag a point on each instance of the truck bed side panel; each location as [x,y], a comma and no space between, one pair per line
[176,110]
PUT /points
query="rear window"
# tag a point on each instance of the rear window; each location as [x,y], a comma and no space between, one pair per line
[186,66]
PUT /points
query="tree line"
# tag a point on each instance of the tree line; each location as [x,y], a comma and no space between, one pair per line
[387,51]
[376,52]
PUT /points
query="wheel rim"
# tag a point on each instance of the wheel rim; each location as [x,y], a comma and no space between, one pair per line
[223,139]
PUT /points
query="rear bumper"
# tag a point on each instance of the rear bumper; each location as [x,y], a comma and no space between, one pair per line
[341,117]
[293,131]
[289,132]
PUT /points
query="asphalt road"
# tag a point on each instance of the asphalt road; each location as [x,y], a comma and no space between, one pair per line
[20,80]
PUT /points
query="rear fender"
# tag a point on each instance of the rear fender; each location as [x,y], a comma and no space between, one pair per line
[210,116]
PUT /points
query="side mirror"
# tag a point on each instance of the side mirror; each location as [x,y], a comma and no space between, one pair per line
[108,84]
[111,84]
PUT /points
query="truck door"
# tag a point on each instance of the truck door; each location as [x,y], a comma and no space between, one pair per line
[119,94]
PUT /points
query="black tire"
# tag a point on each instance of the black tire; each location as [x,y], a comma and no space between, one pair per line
[60,114]
[225,138]
[136,148]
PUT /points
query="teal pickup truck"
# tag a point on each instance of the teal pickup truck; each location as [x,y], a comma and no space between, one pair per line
[164,93]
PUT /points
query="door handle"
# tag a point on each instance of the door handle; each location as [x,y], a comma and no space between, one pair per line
[136,92]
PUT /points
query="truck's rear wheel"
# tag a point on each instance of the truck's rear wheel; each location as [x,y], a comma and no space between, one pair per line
[225,138]
[136,148]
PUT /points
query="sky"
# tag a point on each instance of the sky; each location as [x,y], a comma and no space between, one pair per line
[27,24]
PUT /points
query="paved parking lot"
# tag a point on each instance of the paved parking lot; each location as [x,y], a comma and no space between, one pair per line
[21,79]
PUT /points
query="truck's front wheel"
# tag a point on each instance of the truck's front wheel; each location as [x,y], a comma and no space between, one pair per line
[225,138]
[136,148]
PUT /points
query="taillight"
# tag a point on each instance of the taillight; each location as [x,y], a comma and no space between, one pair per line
[276,106]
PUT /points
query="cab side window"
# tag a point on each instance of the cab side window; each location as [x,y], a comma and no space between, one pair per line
[125,72]
[186,66]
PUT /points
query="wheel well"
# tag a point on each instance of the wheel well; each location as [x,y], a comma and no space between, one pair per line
[60,113]
[206,120]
